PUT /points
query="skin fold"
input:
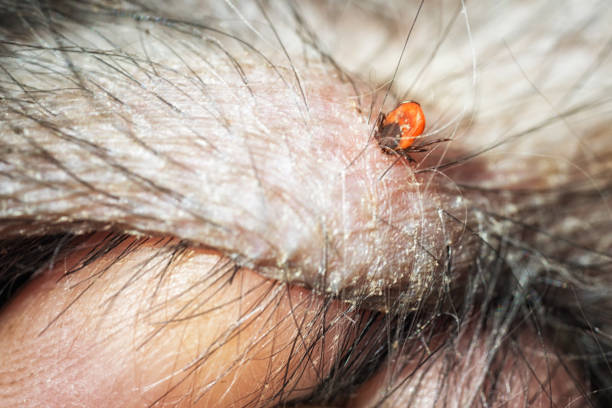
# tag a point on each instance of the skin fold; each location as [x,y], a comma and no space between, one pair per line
[195,211]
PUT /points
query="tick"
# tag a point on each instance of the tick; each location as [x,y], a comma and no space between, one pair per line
[397,131]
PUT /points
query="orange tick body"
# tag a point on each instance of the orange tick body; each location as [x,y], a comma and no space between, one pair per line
[399,129]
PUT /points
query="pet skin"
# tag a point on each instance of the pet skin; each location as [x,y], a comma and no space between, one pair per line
[196,212]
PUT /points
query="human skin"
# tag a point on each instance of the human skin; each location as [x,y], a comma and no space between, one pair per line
[229,233]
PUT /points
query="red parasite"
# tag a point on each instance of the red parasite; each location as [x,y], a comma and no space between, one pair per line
[398,130]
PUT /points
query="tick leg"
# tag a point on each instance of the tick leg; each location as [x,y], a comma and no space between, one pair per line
[378,127]
[430,143]
[406,156]
[388,150]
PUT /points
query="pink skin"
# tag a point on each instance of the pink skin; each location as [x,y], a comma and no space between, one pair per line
[114,344]
[462,369]
[111,343]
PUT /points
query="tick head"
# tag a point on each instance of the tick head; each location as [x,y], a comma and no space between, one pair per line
[388,136]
